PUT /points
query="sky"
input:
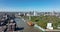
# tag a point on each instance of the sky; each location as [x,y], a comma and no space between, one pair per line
[29,5]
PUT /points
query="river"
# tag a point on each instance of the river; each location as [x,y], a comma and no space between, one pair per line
[21,23]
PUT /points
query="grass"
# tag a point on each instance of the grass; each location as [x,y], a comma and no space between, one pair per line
[43,20]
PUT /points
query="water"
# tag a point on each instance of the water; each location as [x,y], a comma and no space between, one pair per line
[22,23]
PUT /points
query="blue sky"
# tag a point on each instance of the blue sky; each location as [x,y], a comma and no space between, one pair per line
[30,5]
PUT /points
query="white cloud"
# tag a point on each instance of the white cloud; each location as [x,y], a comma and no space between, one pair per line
[7,9]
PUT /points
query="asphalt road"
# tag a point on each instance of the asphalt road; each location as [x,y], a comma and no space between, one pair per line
[23,24]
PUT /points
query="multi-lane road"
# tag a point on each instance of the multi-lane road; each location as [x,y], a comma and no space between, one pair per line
[22,24]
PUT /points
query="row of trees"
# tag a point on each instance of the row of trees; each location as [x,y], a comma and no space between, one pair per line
[43,20]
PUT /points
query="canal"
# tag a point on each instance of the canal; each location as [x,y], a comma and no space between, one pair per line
[21,23]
